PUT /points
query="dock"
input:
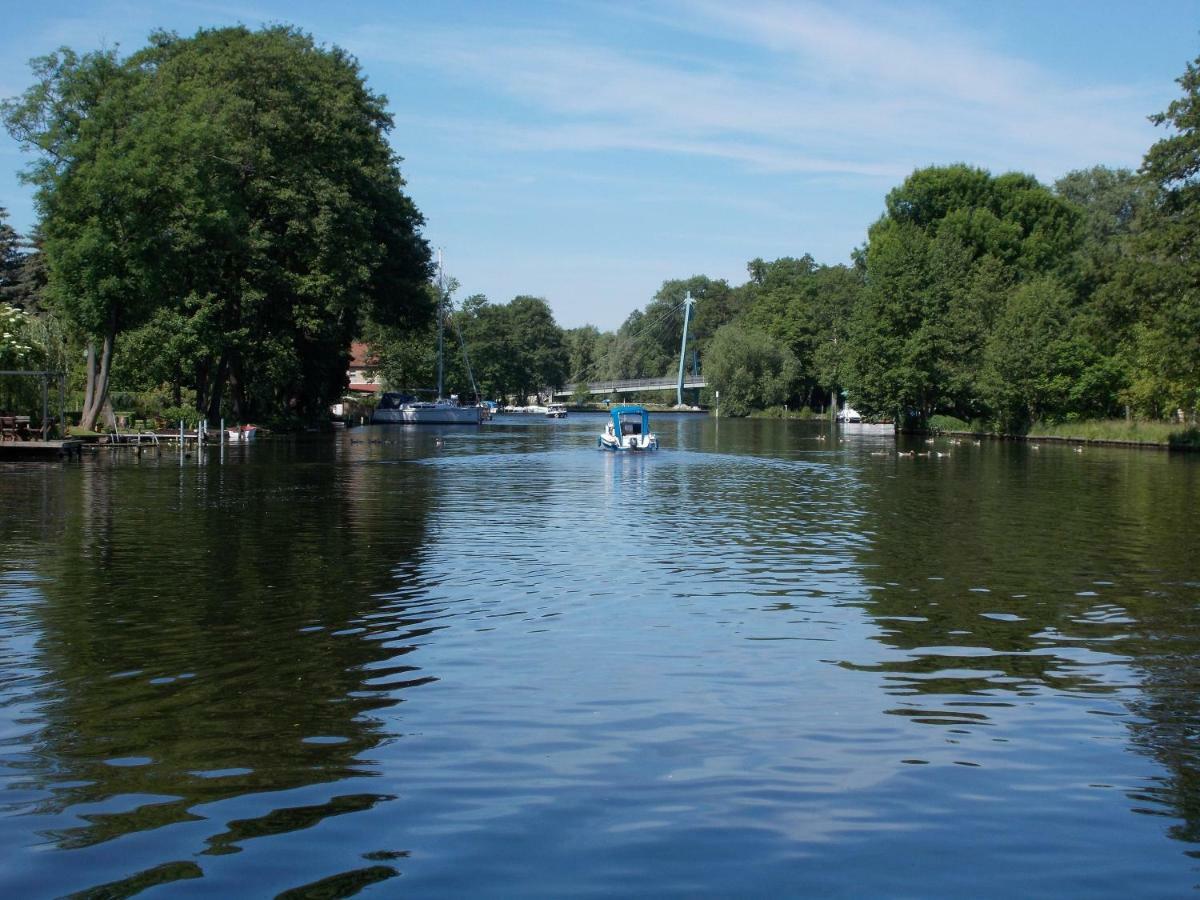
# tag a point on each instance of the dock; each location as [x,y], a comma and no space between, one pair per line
[10,450]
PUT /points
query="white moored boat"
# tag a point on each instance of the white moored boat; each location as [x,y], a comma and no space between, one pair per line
[556,411]
[404,409]
[629,430]
[240,434]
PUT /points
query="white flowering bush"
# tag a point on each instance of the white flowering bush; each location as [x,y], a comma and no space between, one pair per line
[18,348]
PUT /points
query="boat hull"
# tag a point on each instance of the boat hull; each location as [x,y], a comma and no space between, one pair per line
[428,415]
[241,435]
[629,444]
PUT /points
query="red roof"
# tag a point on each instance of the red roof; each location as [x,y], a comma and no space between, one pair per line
[361,356]
[366,388]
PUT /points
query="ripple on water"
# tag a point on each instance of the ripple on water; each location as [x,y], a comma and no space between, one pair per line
[511,664]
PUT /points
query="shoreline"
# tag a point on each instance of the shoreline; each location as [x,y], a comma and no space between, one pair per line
[1057,439]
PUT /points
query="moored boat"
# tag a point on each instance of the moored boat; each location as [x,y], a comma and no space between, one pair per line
[404,409]
[556,411]
[629,430]
[240,434]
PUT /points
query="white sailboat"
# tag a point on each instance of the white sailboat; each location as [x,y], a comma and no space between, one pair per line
[397,408]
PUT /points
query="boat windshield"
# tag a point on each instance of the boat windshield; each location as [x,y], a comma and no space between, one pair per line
[631,423]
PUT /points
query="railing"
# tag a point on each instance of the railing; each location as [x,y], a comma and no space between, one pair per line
[634,385]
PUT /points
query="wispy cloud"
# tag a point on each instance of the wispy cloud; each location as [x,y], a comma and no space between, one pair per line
[819,91]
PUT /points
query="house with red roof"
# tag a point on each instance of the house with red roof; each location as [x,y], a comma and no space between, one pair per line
[361,372]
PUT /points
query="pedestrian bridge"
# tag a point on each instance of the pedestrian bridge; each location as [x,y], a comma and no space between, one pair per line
[634,385]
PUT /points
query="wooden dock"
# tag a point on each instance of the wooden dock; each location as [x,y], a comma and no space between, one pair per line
[45,450]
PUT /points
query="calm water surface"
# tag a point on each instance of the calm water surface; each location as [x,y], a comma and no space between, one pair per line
[766,660]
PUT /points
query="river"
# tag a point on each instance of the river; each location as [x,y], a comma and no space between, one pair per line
[767,660]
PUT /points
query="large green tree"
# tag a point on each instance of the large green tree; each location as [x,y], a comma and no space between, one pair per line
[808,308]
[940,265]
[750,369]
[242,179]
[1164,274]
[1039,365]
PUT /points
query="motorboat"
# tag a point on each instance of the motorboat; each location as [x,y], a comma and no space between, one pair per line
[849,415]
[395,408]
[628,430]
[556,411]
[241,434]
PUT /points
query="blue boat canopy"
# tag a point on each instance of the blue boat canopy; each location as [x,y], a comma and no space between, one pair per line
[630,420]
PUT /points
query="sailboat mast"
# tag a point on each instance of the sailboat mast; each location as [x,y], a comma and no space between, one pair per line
[441,297]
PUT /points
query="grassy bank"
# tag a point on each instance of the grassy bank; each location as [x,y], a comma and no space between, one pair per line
[1124,431]
[1113,430]
[782,412]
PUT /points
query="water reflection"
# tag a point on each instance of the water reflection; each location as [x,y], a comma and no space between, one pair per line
[770,658]
[212,632]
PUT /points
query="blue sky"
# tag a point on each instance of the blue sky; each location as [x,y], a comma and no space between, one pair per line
[585,152]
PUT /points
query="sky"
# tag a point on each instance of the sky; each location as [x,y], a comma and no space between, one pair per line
[586,152]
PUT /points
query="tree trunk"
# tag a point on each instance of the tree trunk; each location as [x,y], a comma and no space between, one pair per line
[237,390]
[96,392]
[217,386]
[89,391]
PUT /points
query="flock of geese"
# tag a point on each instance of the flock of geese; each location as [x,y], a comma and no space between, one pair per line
[938,454]
[439,443]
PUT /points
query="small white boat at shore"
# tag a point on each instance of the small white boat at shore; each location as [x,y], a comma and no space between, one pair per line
[241,434]
[629,430]
[556,411]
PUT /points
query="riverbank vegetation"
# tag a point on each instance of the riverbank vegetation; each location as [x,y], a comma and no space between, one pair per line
[991,299]
[1129,431]
[222,214]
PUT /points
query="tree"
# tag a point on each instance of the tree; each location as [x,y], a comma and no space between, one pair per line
[750,369]
[1037,365]
[241,178]
[940,266]
[10,255]
[582,360]
[807,307]
[1165,273]
[537,343]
